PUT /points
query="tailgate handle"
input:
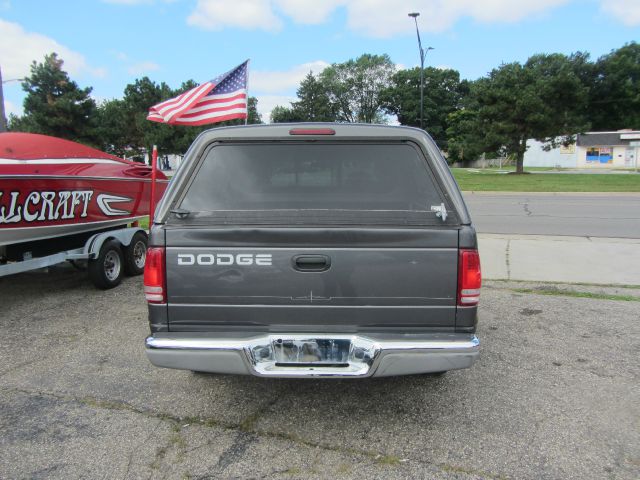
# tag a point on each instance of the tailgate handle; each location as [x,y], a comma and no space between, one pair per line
[311,263]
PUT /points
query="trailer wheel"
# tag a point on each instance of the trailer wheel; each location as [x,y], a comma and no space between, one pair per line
[135,254]
[106,270]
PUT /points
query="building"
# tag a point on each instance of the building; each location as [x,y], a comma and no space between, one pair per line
[591,150]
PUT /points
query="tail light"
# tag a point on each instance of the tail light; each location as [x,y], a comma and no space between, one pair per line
[469,278]
[312,131]
[155,289]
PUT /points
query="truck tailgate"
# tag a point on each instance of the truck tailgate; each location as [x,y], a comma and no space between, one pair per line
[350,283]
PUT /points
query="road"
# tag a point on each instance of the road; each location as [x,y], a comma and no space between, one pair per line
[554,395]
[598,215]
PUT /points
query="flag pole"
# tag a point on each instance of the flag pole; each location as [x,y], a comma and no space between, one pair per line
[246,119]
[154,168]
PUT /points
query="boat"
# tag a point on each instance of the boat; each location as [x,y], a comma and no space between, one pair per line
[51,187]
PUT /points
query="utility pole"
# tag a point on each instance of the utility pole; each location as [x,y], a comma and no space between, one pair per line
[423,54]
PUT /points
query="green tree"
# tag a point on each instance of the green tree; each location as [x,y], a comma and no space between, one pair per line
[125,128]
[313,103]
[614,103]
[141,134]
[443,93]
[55,105]
[354,87]
[253,116]
[465,140]
[112,128]
[281,114]
[543,99]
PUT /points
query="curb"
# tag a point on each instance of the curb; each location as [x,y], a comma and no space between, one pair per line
[558,194]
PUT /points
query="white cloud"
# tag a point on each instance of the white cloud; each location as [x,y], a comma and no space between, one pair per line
[309,12]
[133,66]
[266,103]
[281,81]
[627,11]
[273,88]
[376,18]
[381,18]
[248,14]
[143,67]
[34,46]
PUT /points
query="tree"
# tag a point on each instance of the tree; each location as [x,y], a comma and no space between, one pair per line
[141,134]
[253,116]
[313,103]
[281,114]
[112,127]
[543,99]
[443,93]
[55,105]
[354,88]
[136,135]
[615,93]
[465,141]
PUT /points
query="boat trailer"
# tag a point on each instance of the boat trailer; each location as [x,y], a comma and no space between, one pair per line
[109,256]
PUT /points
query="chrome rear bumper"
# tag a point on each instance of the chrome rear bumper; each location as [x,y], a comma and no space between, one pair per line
[314,355]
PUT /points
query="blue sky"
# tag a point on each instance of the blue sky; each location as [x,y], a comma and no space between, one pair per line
[107,44]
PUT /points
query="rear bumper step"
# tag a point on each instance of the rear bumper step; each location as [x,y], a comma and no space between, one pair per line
[311,355]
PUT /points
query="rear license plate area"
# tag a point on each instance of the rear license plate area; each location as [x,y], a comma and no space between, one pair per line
[321,355]
[310,352]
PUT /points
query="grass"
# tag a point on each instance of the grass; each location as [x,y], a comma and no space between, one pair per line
[489,180]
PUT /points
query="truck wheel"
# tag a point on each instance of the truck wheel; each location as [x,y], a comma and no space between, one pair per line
[135,254]
[106,270]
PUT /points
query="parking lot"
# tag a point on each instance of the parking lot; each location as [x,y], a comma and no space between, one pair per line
[554,395]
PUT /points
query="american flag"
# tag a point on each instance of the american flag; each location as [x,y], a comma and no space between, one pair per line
[223,98]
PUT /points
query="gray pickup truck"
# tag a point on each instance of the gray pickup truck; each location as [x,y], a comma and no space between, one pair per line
[313,250]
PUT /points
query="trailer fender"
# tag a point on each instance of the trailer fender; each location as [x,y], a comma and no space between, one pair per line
[123,235]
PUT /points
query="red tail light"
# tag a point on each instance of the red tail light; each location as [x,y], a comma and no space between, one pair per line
[312,131]
[469,278]
[154,276]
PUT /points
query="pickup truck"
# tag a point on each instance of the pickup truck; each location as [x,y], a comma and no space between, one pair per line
[313,250]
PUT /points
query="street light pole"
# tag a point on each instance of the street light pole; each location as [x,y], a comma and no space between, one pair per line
[423,54]
[3,122]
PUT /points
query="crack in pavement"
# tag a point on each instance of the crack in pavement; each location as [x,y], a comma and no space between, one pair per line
[236,451]
[245,427]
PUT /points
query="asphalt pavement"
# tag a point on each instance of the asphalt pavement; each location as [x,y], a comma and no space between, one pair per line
[615,215]
[554,395]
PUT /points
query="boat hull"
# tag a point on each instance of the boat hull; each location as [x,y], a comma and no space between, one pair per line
[36,207]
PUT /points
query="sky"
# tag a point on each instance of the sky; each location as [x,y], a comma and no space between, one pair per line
[107,44]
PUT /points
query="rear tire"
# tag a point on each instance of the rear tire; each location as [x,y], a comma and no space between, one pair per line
[106,270]
[135,254]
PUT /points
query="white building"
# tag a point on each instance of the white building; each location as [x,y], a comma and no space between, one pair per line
[590,150]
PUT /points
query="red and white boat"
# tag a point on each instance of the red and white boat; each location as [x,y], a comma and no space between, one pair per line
[51,187]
